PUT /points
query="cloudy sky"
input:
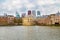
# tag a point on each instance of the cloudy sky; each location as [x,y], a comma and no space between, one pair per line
[45,6]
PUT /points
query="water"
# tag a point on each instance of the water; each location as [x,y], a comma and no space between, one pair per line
[29,33]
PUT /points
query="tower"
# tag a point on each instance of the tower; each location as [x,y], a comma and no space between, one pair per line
[17,15]
[34,13]
[23,14]
[38,14]
[29,12]
[58,13]
[5,15]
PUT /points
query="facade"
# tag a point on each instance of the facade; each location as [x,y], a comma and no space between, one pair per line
[3,20]
[34,13]
[18,21]
[55,19]
[44,21]
[5,14]
[27,21]
[38,14]
[41,21]
[29,12]
[17,15]
[49,20]
[10,19]
[23,14]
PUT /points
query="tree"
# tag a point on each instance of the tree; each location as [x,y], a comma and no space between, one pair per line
[18,21]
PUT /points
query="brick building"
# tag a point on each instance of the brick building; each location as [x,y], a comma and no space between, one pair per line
[3,20]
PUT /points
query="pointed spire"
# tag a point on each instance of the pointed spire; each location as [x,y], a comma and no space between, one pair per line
[58,13]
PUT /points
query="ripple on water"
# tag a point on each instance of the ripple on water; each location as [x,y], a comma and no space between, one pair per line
[29,33]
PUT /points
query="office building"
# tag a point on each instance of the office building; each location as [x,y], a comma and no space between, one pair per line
[38,14]
[23,14]
[17,15]
[34,13]
[29,12]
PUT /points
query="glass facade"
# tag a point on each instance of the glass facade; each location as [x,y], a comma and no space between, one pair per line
[23,14]
[17,15]
[29,12]
[38,14]
[34,13]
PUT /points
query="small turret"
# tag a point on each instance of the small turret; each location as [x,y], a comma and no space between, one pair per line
[58,13]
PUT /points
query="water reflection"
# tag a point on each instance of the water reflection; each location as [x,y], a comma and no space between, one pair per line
[30,33]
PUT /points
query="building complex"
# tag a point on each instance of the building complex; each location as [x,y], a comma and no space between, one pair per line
[32,18]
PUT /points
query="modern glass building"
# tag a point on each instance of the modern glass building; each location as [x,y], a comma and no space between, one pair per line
[34,13]
[5,14]
[17,15]
[29,12]
[38,14]
[23,14]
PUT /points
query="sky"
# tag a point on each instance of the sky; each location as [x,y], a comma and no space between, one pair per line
[46,7]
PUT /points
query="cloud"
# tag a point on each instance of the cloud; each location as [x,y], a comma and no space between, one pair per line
[45,6]
[45,2]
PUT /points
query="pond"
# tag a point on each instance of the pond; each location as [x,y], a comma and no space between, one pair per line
[29,33]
